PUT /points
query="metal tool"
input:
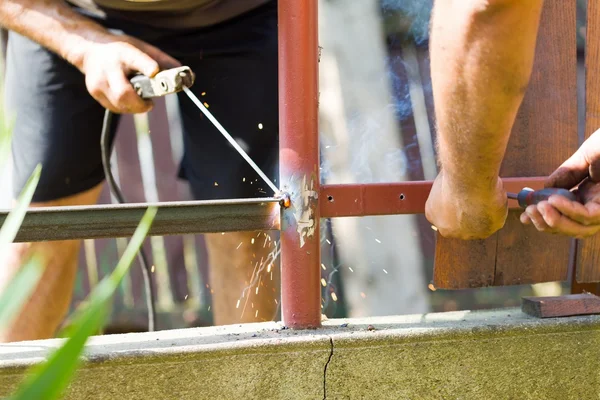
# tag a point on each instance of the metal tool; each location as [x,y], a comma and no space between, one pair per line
[165,82]
[527,196]
[231,140]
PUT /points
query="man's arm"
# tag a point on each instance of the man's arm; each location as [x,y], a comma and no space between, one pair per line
[481,59]
[106,59]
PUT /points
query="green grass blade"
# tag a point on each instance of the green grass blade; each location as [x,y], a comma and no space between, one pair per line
[49,380]
[15,217]
[19,289]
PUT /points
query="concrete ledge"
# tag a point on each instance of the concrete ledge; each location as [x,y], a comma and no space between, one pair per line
[497,354]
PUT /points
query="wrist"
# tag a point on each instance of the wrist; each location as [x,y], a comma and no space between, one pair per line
[472,186]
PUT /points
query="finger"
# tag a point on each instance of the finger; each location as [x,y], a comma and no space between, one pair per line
[559,223]
[122,95]
[537,219]
[570,173]
[588,214]
[97,88]
[588,191]
[592,153]
[524,218]
[135,60]
[164,60]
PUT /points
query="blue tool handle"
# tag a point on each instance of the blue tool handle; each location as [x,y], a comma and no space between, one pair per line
[527,197]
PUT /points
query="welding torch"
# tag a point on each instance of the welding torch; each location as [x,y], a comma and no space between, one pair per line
[527,196]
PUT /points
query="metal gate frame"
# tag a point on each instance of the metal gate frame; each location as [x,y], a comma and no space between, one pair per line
[299,174]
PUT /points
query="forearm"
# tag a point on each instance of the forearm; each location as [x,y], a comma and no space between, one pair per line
[481,59]
[54,25]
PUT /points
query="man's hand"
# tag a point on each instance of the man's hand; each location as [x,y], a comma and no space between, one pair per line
[109,64]
[466,214]
[561,216]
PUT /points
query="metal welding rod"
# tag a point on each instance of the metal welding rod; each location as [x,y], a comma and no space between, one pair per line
[527,196]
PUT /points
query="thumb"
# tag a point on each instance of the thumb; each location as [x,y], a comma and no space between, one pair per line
[136,60]
[570,173]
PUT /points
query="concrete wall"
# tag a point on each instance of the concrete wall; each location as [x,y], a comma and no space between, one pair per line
[461,355]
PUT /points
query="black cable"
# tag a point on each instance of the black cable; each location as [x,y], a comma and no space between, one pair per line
[105,148]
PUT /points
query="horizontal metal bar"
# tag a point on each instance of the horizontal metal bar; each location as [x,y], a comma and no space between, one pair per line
[172,218]
[394,198]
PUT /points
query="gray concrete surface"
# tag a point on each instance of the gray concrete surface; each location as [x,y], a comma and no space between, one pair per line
[501,354]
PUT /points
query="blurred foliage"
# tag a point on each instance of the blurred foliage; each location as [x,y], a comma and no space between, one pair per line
[49,379]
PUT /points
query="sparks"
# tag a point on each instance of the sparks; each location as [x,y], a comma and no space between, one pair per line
[203,94]
[238,304]
[323,266]
[333,296]
[378,241]
[385,271]
[327,240]
[323,282]
[252,241]
[216,184]
[260,126]
[186,296]
[256,290]
[351,270]
[256,314]
[243,179]
[152,269]
[206,104]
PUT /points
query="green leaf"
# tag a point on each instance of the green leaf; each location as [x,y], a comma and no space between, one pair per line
[50,379]
[19,289]
[15,217]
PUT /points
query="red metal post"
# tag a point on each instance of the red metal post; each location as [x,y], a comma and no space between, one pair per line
[299,163]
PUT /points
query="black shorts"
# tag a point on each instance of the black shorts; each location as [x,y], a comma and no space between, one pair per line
[58,123]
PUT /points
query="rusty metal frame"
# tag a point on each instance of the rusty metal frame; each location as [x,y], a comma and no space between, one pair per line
[299,173]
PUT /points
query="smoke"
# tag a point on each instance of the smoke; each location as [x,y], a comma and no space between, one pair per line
[414,15]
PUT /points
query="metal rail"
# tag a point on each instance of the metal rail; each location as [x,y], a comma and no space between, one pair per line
[172,218]
[394,198]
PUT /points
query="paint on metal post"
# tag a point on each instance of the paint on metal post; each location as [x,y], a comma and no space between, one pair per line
[299,163]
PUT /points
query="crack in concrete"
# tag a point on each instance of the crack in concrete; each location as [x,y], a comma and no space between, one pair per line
[325,369]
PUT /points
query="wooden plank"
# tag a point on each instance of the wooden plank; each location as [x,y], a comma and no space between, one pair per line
[518,254]
[588,250]
[539,144]
[561,306]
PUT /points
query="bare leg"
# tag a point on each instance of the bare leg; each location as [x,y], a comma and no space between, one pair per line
[43,313]
[241,262]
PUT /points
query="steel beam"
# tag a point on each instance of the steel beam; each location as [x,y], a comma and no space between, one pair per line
[299,163]
[394,198]
[172,218]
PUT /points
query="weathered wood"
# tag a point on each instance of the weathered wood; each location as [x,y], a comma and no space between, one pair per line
[544,135]
[519,254]
[588,250]
[561,306]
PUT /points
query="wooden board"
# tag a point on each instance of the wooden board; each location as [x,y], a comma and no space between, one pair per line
[544,135]
[561,306]
[588,250]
